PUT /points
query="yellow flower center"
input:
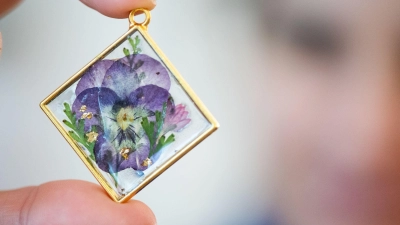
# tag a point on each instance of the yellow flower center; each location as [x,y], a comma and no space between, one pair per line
[125,117]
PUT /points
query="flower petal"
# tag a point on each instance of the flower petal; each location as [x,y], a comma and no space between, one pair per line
[179,108]
[121,79]
[181,116]
[151,97]
[181,124]
[106,156]
[93,99]
[110,160]
[93,76]
[136,159]
[149,70]
[176,117]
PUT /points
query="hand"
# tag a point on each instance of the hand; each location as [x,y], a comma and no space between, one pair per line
[69,202]
[74,202]
[118,8]
[115,8]
[7,5]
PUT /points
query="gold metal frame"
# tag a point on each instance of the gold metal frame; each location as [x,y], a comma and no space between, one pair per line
[142,28]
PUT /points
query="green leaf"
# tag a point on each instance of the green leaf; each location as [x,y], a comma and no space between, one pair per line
[132,43]
[148,128]
[90,146]
[90,149]
[94,128]
[73,119]
[126,52]
[160,117]
[135,43]
[81,128]
[78,130]
[69,113]
[162,142]
[74,136]
[67,107]
[69,124]
[170,139]
[153,131]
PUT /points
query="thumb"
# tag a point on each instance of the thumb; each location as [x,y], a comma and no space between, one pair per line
[69,202]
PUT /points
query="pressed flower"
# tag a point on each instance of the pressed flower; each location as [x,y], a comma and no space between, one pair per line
[116,97]
[176,117]
[125,114]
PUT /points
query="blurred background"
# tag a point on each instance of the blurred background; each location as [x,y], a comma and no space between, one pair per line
[216,45]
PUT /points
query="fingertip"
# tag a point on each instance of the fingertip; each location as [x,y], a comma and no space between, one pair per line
[142,212]
[7,5]
[119,8]
[75,202]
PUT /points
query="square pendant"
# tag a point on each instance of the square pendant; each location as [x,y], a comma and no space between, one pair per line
[128,114]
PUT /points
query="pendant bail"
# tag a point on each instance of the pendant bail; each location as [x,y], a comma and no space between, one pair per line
[143,24]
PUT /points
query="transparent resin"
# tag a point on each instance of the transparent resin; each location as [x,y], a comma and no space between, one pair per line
[128,114]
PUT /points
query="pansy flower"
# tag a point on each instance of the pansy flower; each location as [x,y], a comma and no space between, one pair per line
[115,99]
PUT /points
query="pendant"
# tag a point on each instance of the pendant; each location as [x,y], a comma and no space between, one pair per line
[129,114]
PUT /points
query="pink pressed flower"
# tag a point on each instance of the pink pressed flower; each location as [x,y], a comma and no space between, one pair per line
[176,117]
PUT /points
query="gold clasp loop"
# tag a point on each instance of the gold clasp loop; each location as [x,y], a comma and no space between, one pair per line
[143,24]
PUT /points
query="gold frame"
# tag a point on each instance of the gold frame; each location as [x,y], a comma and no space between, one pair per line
[142,29]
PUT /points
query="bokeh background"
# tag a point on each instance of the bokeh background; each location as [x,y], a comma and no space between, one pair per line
[218,46]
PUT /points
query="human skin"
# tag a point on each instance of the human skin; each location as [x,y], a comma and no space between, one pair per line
[334,97]
[7,5]
[115,8]
[69,202]
[73,202]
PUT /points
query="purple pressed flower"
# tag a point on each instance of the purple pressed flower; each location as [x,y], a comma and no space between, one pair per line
[114,96]
[125,74]
[93,76]
[110,160]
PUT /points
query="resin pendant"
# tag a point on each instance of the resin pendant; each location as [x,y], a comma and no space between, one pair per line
[128,114]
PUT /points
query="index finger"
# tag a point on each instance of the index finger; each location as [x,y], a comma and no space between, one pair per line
[119,8]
